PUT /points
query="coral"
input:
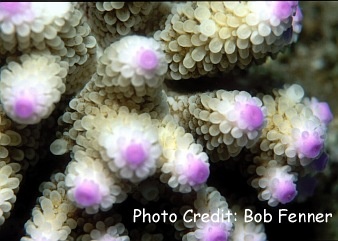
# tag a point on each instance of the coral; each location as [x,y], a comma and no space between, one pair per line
[89,185]
[186,165]
[52,218]
[55,31]
[10,180]
[30,90]
[111,233]
[202,38]
[111,20]
[300,134]
[276,182]
[131,146]
[155,108]
[134,63]
[223,120]
[247,230]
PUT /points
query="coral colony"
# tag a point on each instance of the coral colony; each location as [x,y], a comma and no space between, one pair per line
[130,136]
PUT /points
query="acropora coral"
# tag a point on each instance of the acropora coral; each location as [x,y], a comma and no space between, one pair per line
[118,100]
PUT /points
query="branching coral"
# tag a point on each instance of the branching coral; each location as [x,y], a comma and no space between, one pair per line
[247,230]
[30,90]
[52,218]
[54,31]
[134,63]
[223,120]
[294,129]
[24,24]
[202,38]
[18,146]
[185,165]
[126,136]
[90,186]
[209,201]
[10,180]
[275,182]
[112,20]
[130,146]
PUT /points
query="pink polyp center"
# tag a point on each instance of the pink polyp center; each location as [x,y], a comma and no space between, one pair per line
[43,238]
[323,112]
[284,9]
[24,106]
[148,60]
[252,115]
[135,154]
[285,191]
[298,15]
[13,7]
[197,170]
[310,144]
[87,193]
[215,234]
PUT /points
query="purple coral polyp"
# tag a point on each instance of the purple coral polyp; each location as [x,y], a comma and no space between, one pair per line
[310,144]
[285,191]
[252,116]
[216,233]
[24,107]
[323,112]
[16,12]
[135,154]
[148,60]
[87,193]
[197,170]
[285,9]
[13,7]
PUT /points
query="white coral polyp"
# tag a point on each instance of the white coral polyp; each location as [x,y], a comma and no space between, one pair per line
[189,169]
[30,90]
[273,11]
[308,136]
[212,231]
[278,184]
[275,20]
[309,143]
[248,114]
[244,117]
[91,187]
[45,231]
[320,109]
[14,14]
[13,10]
[113,233]
[248,231]
[131,149]
[24,16]
[139,60]
[48,11]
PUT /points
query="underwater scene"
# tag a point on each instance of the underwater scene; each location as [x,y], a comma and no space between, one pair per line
[164,121]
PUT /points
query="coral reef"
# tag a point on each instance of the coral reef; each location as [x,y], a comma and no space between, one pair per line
[161,121]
